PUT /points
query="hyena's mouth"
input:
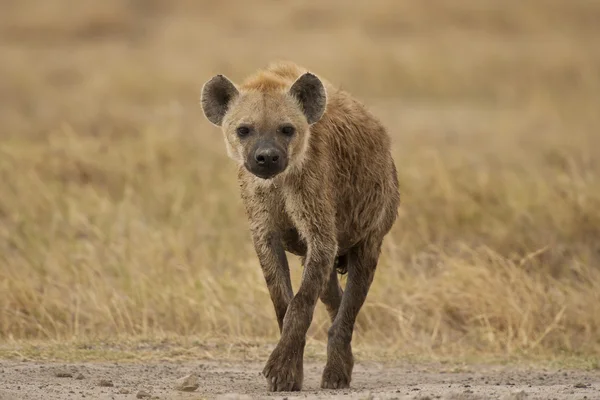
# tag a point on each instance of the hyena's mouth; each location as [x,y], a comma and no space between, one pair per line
[263,172]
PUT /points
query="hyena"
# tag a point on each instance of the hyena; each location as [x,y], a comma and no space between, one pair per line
[317,180]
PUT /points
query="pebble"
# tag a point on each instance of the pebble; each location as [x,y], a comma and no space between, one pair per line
[188,383]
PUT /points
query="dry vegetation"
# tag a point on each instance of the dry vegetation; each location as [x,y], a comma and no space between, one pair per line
[119,210]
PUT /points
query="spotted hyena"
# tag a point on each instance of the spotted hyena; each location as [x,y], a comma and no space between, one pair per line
[317,180]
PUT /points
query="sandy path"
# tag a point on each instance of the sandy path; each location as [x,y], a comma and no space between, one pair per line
[228,380]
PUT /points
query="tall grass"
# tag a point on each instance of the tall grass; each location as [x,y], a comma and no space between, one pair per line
[120,214]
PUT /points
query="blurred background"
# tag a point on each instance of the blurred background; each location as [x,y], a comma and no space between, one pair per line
[119,209]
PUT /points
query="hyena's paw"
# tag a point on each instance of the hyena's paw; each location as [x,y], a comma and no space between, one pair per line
[338,370]
[284,369]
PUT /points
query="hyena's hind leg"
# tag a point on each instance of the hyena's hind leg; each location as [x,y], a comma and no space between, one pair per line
[332,293]
[362,262]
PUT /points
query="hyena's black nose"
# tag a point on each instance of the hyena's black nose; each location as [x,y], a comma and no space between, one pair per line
[267,160]
[266,156]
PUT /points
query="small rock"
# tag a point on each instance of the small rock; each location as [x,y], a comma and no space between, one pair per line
[124,391]
[63,374]
[79,376]
[188,383]
[106,383]
[142,394]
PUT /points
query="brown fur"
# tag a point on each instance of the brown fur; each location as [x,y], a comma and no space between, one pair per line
[332,206]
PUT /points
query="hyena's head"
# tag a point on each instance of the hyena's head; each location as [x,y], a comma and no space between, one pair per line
[266,126]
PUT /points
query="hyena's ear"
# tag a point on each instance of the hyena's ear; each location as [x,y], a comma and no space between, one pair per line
[216,95]
[310,92]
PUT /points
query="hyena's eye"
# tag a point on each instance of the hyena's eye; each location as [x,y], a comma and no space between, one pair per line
[288,130]
[243,131]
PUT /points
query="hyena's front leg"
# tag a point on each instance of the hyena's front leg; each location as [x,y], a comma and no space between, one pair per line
[276,271]
[284,369]
[264,208]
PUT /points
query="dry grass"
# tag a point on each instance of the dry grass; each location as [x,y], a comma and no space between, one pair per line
[119,210]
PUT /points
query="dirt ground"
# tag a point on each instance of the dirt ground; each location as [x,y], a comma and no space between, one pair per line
[242,380]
